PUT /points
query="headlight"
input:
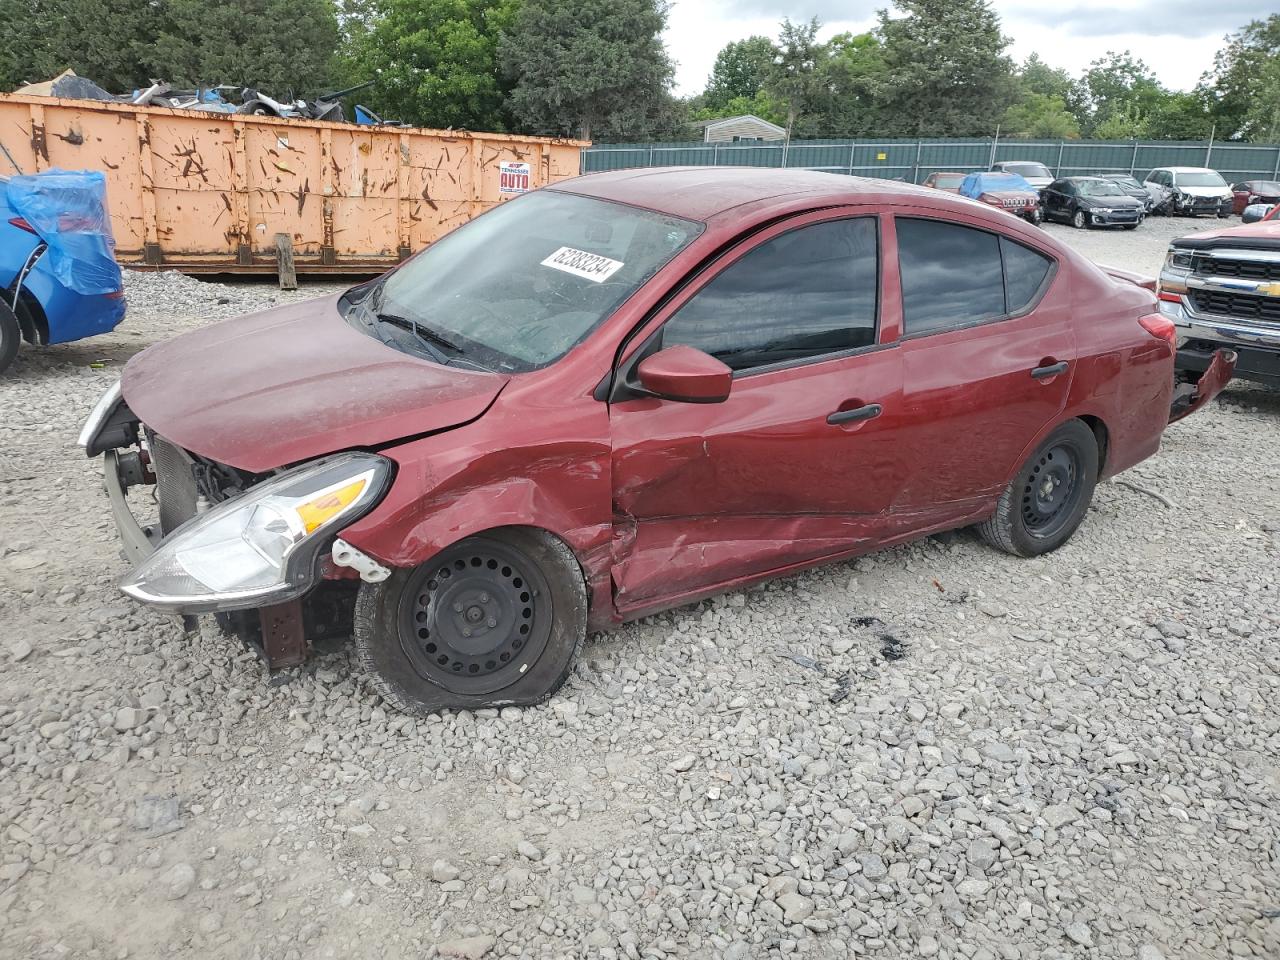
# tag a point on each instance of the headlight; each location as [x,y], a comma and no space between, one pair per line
[1178,260]
[260,548]
[1101,209]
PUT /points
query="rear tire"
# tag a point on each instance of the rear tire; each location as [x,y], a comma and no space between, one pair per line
[10,336]
[494,620]
[1047,500]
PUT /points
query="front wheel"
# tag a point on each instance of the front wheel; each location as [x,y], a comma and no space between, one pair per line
[10,336]
[494,620]
[1078,220]
[1045,503]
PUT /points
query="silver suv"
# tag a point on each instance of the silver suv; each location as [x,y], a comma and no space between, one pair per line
[1188,191]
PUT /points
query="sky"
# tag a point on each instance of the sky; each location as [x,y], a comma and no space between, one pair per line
[1177,38]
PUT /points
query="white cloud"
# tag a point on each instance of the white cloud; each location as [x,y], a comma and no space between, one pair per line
[1177,38]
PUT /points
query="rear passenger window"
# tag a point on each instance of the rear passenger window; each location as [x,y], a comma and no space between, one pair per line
[1024,272]
[805,293]
[951,275]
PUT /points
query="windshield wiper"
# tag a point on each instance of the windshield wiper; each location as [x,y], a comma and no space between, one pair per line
[425,334]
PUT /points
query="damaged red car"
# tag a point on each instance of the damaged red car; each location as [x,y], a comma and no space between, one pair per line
[621,394]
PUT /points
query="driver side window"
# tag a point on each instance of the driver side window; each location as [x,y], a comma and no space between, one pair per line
[806,293]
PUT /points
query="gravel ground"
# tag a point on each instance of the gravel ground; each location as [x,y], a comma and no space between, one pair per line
[934,751]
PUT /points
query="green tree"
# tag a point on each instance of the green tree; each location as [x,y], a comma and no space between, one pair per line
[1036,76]
[1123,122]
[1119,91]
[797,77]
[103,40]
[740,71]
[1181,116]
[1040,115]
[436,61]
[594,68]
[1244,85]
[851,71]
[279,46]
[761,105]
[946,73]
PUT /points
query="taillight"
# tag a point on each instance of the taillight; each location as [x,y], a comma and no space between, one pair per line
[1160,327]
[21,224]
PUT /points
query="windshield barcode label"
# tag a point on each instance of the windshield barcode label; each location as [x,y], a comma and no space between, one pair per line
[589,266]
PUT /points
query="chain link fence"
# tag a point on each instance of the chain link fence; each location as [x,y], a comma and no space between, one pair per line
[913,160]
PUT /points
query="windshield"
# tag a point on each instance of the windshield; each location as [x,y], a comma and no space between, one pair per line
[1129,182]
[1100,188]
[1028,169]
[1264,188]
[515,289]
[948,179]
[1206,179]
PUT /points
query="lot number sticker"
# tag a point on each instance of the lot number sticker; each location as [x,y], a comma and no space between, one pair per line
[589,266]
[514,177]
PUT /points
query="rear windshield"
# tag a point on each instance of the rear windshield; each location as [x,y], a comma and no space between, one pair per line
[1206,179]
[515,289]
[1265,188]
[1027,169]
[948,179]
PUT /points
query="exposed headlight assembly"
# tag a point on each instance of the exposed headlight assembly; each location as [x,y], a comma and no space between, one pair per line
[260,548]
[1178,260]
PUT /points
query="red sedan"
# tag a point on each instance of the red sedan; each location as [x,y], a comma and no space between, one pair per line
[618,395]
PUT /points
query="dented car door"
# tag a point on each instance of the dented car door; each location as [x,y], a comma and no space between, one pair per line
[800,462]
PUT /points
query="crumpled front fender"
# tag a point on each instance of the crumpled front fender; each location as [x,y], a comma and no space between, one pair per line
[1188,398]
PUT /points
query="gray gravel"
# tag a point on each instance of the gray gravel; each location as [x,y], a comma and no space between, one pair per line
[1069,757]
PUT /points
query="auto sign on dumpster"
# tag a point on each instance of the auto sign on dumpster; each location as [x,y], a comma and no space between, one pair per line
[211,192]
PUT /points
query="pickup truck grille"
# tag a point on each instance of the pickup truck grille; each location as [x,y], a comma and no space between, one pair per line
[1244,269]
[1242,306]
[175,483]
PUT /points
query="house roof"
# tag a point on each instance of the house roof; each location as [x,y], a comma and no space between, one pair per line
[703,124]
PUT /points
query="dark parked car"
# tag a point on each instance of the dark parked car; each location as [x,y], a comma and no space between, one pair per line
[1133,187]
[1091,202]
[618,395]
[947,180]
[1249,192]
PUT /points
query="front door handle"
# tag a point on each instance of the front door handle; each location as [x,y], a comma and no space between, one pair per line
[857,413]
[1052,370]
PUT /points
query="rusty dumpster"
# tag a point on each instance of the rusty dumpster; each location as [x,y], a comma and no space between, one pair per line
[210,193]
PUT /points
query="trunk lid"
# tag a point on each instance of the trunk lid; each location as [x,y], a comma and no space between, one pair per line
[293,383]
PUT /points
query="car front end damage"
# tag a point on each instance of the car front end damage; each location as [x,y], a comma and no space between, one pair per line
[261,552]
[1223,291]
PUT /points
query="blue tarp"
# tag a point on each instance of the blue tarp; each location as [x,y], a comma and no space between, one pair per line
[68,209]
[976,184]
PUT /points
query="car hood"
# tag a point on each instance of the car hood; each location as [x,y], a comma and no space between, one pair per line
[1265,235]
[296,382]
[1221,193]
[1124,201]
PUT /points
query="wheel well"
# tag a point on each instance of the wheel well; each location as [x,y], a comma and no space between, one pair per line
[538,531]
[1100,435]
[31,318]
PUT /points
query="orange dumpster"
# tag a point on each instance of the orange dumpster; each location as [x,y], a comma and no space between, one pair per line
[211,192]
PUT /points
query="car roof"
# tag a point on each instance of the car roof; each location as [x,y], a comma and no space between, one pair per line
[702,193]
[1185,169]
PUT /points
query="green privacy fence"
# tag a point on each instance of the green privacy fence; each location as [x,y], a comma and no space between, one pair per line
[913,160]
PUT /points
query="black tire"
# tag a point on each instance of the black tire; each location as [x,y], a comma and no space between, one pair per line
[10,336]
[1030,520]
[1130,226]
[523,585]
[1079,220]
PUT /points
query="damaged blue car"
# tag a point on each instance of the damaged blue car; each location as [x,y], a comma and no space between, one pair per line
[59,280]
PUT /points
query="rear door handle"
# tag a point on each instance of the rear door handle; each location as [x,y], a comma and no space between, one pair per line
[1052,370]
[857,413]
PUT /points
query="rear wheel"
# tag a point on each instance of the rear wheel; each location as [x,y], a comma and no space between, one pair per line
[10,336]
[1078,220]
[494,620]
[1045,503]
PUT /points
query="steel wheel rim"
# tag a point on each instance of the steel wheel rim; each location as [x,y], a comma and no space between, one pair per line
[1052,491]
[477,618]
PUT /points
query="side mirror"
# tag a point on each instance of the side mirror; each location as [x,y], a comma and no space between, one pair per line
[685,374]
[1256,211]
